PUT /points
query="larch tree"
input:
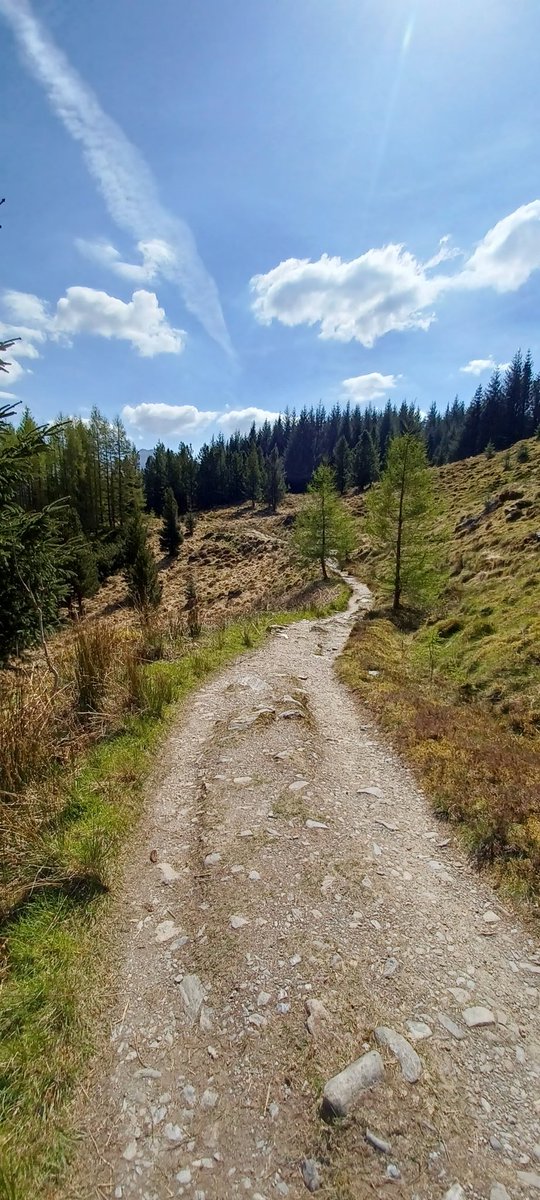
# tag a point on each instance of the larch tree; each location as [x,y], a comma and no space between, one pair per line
[324,528]
[401,518]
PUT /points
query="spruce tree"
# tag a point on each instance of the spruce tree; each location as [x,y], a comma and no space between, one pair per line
[365,461]
[274,482]
[253,475]
[401,515]
[324,528]
[171,536]
[190,523]
[143,584]
[342,464]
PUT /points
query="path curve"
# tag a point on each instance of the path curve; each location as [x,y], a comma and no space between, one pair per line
[297,861]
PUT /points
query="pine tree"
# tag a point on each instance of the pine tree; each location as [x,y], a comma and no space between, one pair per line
[324,528]
[274,483]
[342,464]
[253,475]
[365,461]
[83,576]
[32,558]
[401,514]
[143,584]
[190,523]
[171,536]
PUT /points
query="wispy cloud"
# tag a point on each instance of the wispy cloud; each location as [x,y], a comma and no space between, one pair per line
[121,173]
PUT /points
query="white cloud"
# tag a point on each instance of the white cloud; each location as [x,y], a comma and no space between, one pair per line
[388,289]
[157,257]
[8,396]
[154,420]
[242,419]
[508,254]
[383,290]
[167,420]
[478,365]
[119,170]
[361,388]
[139,321]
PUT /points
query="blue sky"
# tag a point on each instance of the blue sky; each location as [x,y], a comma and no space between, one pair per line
[219,209]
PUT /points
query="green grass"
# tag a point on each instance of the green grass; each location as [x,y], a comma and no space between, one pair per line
[460,693]
[54,972]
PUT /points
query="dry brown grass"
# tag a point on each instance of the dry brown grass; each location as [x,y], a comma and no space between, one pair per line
[460,693]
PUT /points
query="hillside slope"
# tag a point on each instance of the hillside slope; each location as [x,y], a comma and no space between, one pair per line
[461,694]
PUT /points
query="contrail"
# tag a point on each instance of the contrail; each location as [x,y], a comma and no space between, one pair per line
[121,173]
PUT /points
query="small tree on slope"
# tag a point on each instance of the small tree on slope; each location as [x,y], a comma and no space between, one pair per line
[171,536]
[324,528]
[401,514]
[143,585]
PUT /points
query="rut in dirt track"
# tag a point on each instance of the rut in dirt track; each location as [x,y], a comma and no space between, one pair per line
[297,861]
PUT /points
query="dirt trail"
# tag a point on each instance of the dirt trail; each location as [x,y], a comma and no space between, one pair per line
[296,860]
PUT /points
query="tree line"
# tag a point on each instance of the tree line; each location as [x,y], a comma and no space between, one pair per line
[263,463]
[72,494]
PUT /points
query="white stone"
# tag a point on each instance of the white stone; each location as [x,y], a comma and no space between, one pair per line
[455,1192]
[254,876]
[298,785]
[238,922]
[263,999]
[209,1098]
[212,859]
[477,1016]
[173,1133]
[166,930]
[418,1030]
[130,1151]
[343,1090]
[498,1192]
[529,1179]
[411,1066]
[192,994]
[315,824]
[490,917]
[184,1176]
[168,873]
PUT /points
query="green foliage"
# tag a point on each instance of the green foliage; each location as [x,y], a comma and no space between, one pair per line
[323,528]
[190,523]
[342,464]
[274,483]
[401,516]
[171,536]
[32,557]
[253,475]
[143,584]
[523,454]
[365,464]
[489,450]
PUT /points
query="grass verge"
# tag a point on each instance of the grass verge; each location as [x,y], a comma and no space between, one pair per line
[475,769]
[53,976]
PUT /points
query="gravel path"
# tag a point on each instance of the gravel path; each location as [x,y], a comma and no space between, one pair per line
[289,893]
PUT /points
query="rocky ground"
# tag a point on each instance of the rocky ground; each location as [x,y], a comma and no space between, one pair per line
[292,909]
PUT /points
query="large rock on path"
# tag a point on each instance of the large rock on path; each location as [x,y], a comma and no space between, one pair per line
[343,1090]
[410,1063]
